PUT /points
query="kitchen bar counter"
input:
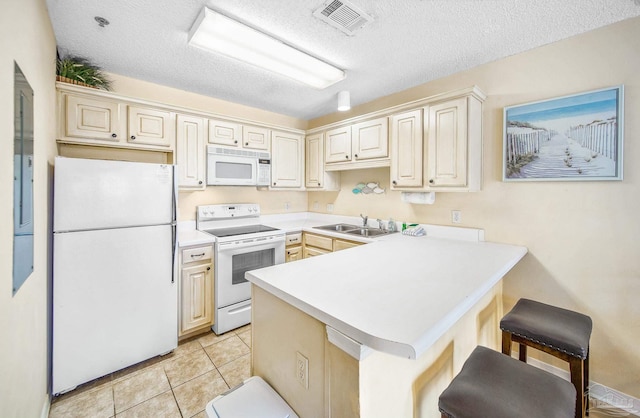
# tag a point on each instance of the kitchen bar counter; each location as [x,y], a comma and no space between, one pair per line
[398,294]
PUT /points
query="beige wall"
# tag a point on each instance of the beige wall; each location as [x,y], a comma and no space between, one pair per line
[26,36]
[583,237]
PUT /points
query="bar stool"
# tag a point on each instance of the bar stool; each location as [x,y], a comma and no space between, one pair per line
[491,384]
[560,332]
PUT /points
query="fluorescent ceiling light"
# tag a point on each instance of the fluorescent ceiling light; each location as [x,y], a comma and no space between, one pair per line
[215,32]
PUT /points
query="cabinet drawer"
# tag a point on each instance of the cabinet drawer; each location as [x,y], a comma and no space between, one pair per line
[311,240]
[193,255]
[312,252]
[294,239]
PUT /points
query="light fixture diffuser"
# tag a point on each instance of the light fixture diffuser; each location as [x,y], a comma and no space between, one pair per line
[215,32]
[344,101]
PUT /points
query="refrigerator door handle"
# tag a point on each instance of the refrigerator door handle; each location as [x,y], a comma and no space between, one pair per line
[174,221]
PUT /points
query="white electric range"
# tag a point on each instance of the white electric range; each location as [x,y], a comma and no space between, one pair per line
[241,244]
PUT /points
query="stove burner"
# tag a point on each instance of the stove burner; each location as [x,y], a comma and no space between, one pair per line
[239,230]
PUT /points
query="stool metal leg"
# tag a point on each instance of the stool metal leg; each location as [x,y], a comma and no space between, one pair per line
[586,381]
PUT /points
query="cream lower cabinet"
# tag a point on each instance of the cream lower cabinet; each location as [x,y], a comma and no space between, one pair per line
[406,150]
[287,160]
[293,247]
[196,289]
[190,152]
[316,177]
[316,244]
[454,145]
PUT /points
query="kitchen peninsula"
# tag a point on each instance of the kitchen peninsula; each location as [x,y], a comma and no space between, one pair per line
[384,326]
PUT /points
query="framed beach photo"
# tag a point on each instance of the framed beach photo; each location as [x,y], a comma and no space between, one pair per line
[577,137]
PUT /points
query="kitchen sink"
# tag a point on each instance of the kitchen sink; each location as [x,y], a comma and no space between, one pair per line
[367,232]
[338,227]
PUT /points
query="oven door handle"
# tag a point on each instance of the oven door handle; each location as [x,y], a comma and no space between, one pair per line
[225,247]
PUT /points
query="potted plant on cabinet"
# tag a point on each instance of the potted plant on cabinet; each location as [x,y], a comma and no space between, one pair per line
[79,70]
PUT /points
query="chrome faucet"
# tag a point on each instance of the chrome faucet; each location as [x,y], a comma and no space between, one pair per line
[380,224]
[364,220]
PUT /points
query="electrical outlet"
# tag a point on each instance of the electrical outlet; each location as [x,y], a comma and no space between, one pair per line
[456,216]
[329,207]
[316,205]
[302,370]
[287,206]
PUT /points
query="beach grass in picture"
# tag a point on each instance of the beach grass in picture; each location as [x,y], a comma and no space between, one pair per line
[576,137]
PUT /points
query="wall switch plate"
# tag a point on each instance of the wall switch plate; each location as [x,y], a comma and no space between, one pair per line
[302,370]
[329,207]
[456,216]
[316,205]
[287,206]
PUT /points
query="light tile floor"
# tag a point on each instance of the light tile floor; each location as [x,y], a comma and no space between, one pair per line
[178,385]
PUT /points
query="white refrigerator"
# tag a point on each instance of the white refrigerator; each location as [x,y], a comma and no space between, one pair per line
[115,294]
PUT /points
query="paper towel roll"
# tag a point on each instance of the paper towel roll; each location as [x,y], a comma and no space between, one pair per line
[424,198]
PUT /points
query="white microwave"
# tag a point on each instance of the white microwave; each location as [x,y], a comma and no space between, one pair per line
[236,167]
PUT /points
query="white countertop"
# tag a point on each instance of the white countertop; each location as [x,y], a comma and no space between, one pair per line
[399,293]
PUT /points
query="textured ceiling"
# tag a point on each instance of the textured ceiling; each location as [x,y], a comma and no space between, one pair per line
[409,42]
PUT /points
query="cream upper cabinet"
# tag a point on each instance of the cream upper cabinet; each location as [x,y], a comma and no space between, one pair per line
[190,150]
[287,160]
[150,126]
[92,118]
[196,289]
[361,145]
[255,137]
[102,119]
[454,145]
[315,175]
[406,150]
[225,133]
[370,139]
[338,145]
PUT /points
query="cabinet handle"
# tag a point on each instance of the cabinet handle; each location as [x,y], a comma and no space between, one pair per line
[319,184]
[431,181]
[133,137]
[235,142]
[346,156]
[274,183]
[246,144]
[197,255]
[208,268]
[200,182]
[394,182]
[289,252]
[356,155]
[114,135]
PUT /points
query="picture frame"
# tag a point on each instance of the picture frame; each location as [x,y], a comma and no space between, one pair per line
[570,138]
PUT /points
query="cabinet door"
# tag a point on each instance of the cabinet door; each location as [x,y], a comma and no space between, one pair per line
[286,160]
[406,149]
[224,133]
[190,152]
[150,127]
[318,241]
[370,139]
[447,144]
[293,253]
[340,244]
[338,145]
[312,252]
[314,161]
[93,118]
[255,137]
[196,297]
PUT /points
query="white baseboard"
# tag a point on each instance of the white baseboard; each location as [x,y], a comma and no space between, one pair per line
[604,396]
[46,407]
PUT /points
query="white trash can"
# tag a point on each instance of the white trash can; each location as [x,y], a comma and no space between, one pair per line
[253,398]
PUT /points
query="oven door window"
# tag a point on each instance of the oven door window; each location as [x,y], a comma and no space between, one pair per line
[241,263]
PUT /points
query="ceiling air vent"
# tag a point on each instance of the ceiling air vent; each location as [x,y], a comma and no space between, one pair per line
[343,15]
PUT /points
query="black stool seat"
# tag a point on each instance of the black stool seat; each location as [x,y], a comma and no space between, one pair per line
[494,385]
[556,328]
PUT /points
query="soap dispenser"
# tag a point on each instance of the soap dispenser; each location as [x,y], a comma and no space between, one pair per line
[391,227]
